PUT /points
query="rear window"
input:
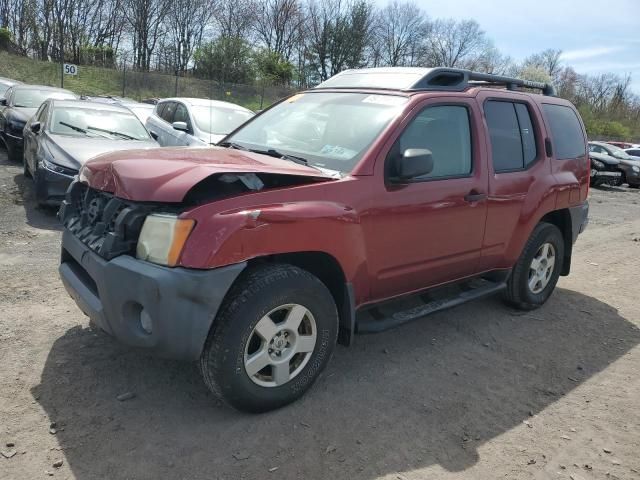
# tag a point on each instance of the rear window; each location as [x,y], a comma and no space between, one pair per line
[566,131]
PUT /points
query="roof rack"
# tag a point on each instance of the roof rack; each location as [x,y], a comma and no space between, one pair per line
[418,79]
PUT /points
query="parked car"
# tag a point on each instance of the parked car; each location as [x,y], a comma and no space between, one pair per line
[194,121]
[140,110]
[5,83]
[628,165]
[619,144]
[378,185]
[605,170]
[18,106]
[64,134]
[633,151]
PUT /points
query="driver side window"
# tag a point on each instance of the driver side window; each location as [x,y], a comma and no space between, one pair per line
[445,131]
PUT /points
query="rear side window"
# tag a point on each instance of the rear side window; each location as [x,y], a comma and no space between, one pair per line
[445,131]
[513,142]
[566,132]
[160,108]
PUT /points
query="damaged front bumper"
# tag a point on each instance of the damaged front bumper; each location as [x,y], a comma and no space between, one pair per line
[168,311]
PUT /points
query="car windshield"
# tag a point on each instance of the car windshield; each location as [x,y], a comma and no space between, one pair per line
[141,111]
[619,153]
[83,122]
[33,98]
[219,120]
[3,89]
[328,129]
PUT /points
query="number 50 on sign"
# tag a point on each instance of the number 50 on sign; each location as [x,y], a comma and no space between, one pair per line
[70,69]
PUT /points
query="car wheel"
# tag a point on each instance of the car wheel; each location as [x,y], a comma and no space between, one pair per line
[634,185]
[272,338]
[536,273]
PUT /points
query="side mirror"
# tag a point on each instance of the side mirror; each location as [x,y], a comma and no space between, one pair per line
[36,127]
[3,102]
[182,126]
[415,162]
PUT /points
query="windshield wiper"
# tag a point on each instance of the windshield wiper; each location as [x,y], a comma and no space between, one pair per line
[74,127]
[275,153]
[110,132]
[237,146]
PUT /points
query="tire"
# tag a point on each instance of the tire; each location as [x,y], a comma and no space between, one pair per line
[270,292]
[519,292]
[634,185]
[38,188]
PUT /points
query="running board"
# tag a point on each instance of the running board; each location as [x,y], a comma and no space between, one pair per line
[398,312]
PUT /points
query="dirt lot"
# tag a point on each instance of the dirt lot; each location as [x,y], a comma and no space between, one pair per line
[478,392]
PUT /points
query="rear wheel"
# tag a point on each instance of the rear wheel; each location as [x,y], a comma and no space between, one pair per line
[536,273]
[634,185]
[273,336]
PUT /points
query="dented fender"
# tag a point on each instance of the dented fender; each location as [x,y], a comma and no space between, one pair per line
[241,234]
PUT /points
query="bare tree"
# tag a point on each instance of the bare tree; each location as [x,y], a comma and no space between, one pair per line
[398,34]
[277,25]
[187,20]
[451,43]
[146,18]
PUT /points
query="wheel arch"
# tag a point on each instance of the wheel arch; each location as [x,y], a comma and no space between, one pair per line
[329,271]
[562,219]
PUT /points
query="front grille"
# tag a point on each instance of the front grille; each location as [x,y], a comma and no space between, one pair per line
[108,225]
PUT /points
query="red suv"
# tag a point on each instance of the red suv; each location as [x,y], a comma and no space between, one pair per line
[373,199]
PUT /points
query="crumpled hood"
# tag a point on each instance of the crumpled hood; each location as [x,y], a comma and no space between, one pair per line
[167,174]
[75,151]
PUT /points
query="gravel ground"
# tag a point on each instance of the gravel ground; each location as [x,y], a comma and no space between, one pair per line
[477,392]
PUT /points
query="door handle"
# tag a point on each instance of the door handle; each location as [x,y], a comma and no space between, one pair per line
[474,196]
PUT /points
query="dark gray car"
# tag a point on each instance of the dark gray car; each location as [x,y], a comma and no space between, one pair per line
[64,134]
[16,108]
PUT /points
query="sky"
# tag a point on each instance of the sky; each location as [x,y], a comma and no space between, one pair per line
[596,36]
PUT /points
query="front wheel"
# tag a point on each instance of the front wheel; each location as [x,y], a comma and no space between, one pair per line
[634,185]
[536,273]
[271,339]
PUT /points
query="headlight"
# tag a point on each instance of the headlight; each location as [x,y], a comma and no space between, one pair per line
[636,169]
[597,163]
[57,168]
[162,238]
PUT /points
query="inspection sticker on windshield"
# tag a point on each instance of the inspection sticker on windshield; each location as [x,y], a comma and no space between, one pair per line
[384,100]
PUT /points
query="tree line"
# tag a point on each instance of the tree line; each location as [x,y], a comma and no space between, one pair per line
[296,43]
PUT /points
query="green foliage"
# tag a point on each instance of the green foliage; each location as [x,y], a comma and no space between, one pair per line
[101,55]
[6,37]
[272,69]
[227,59]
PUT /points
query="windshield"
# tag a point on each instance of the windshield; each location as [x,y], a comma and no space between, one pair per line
[3,89]
[619,153]
[32,98]
[88,122]
[219,120]
[329,129]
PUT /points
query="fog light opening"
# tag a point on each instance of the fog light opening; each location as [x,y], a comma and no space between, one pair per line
[145,322]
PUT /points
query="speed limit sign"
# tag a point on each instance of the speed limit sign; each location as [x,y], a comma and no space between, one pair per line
[70,69]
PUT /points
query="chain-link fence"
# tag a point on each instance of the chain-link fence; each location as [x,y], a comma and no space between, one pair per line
[138,85]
